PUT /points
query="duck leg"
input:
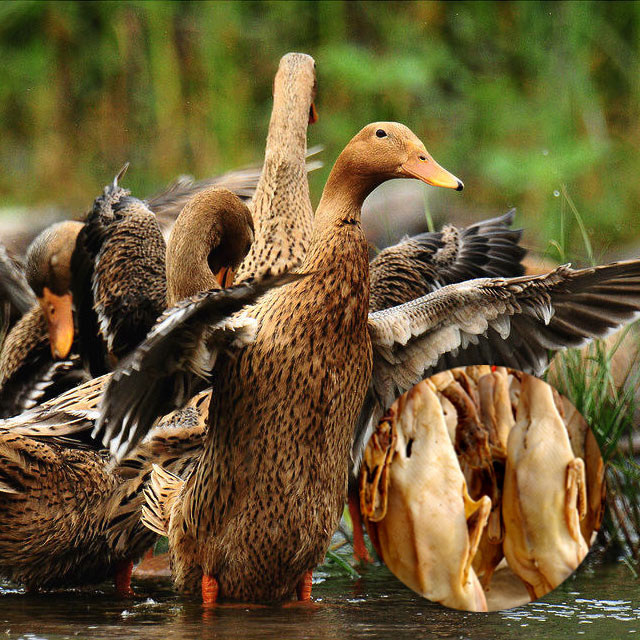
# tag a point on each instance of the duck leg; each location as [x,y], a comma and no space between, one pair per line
[123,578]
[303,588]
[360,551]
[209,590]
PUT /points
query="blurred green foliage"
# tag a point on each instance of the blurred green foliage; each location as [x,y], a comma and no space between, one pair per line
[516,98]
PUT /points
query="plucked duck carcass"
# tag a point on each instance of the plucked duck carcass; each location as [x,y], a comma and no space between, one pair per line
[419,513]
[545,494]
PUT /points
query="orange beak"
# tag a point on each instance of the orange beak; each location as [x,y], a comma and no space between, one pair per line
[225,277]
[422,166]
[59,317]
[313,114]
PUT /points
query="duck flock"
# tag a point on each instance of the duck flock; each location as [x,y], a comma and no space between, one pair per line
[219,388]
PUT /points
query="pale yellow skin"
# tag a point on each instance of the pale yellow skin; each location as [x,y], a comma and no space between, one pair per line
[544,494]
[425,538]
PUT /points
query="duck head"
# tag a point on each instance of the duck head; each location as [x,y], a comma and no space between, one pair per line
[379,152]
[387,150]
[209,240]
[295,82]
[48,272]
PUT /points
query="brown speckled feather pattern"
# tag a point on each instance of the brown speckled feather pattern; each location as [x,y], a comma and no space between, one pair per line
[67,519]
[129,283]
[283,216]
[118,277]
[28,374]
[280,430]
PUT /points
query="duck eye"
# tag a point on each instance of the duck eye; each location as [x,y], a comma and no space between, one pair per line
[423,158]
[381,133]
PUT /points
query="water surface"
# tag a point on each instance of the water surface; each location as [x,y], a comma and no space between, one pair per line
[599,602]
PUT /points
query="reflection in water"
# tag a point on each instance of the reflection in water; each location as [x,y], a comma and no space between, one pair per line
[598,603]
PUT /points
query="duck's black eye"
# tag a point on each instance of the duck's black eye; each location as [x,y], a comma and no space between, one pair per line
[381,133]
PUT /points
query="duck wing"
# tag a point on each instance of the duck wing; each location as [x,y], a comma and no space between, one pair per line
[514,322]
[118,277]
[180,350]
[423,263]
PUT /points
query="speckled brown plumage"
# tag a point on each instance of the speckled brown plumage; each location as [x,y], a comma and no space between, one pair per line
[28,373]
[258,512]
[118,277]
[281,207]
[67,519]
[81,540]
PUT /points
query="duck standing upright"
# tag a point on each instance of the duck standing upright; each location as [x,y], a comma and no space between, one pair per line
[258,512]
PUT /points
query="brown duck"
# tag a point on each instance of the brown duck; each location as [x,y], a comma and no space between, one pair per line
[257,513]
[37,361]
[76,519]
[120,256]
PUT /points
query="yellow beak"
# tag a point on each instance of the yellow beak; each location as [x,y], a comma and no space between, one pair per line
[422,166]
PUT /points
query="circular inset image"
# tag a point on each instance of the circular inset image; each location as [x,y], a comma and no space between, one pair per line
[482,488]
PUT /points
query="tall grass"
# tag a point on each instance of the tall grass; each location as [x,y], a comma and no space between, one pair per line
[602,380]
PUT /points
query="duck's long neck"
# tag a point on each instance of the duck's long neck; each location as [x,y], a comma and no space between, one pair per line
[187,267]
[282,212]
[337,219]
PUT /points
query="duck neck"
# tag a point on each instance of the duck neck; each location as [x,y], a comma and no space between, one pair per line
[282,212]
[337,218]
[187,266]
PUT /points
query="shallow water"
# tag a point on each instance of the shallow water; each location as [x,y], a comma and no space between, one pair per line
[600,602]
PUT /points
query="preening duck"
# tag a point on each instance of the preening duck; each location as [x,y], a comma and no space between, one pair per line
[76,519]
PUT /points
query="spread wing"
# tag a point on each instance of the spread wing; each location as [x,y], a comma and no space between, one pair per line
[423,263]
[181,349]
[515,322]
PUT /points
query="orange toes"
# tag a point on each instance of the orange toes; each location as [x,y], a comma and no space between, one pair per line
[303,588]
[209,590]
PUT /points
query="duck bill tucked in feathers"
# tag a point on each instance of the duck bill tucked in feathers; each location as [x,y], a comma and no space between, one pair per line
[59,316]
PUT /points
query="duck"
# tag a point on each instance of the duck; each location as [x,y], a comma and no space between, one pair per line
[411,464]
[256,514]
[37,361]
[253,531]
[118,255]
[281,205]
[545,494]
[77,519]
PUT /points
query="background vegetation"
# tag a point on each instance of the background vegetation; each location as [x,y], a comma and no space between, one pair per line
[518,99]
